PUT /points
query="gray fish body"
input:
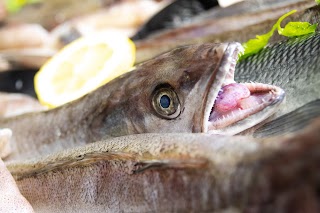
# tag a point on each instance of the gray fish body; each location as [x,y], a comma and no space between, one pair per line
[125,105]
[177,173]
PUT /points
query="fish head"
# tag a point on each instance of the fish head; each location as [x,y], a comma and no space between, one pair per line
[192,89]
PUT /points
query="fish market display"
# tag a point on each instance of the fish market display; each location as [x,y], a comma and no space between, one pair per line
[192,128]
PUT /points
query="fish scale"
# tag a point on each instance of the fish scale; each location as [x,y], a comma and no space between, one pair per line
[293,65]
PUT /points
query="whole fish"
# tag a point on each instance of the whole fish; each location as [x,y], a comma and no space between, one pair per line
[178,173]
[192,89]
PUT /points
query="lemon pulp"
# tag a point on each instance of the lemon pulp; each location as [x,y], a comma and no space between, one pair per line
[83,66]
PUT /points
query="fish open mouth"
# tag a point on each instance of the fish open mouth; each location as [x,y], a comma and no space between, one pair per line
[234,107]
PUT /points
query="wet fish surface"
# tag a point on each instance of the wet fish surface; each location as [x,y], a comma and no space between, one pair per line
[293,65]
[177,172]
[180,97]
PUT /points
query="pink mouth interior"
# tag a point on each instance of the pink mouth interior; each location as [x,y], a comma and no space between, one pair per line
[237,101]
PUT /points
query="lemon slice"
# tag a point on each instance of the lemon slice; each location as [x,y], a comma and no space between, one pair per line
[83,66]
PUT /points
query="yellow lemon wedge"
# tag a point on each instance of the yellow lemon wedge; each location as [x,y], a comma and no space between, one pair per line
[82,66]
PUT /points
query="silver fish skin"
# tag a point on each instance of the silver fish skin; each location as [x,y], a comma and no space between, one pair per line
[293,65]
[189,78]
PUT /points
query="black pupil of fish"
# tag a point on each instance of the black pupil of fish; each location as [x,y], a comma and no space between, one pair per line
[165,101]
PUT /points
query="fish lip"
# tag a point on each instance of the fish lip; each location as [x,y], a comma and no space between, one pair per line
[246,118]
[227,63]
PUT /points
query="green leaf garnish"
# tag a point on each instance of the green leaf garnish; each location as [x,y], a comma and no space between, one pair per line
[318,1]
[255,45]
[290,30]
[297,29]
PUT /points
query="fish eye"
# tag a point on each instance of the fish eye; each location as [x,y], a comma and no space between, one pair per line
[165,102]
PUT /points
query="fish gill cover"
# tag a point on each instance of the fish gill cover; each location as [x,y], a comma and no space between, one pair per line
[292,29]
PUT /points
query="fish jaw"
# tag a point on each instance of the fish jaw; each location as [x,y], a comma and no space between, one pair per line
[231,108]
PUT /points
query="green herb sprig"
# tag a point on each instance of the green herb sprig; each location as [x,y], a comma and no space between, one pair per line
[292,29]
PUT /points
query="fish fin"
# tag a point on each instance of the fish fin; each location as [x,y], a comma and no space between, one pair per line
[290,122]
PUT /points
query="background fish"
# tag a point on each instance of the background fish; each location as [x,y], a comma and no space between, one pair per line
[182,13]
[238,27]
[174,15]
[10,198]
[51,13]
